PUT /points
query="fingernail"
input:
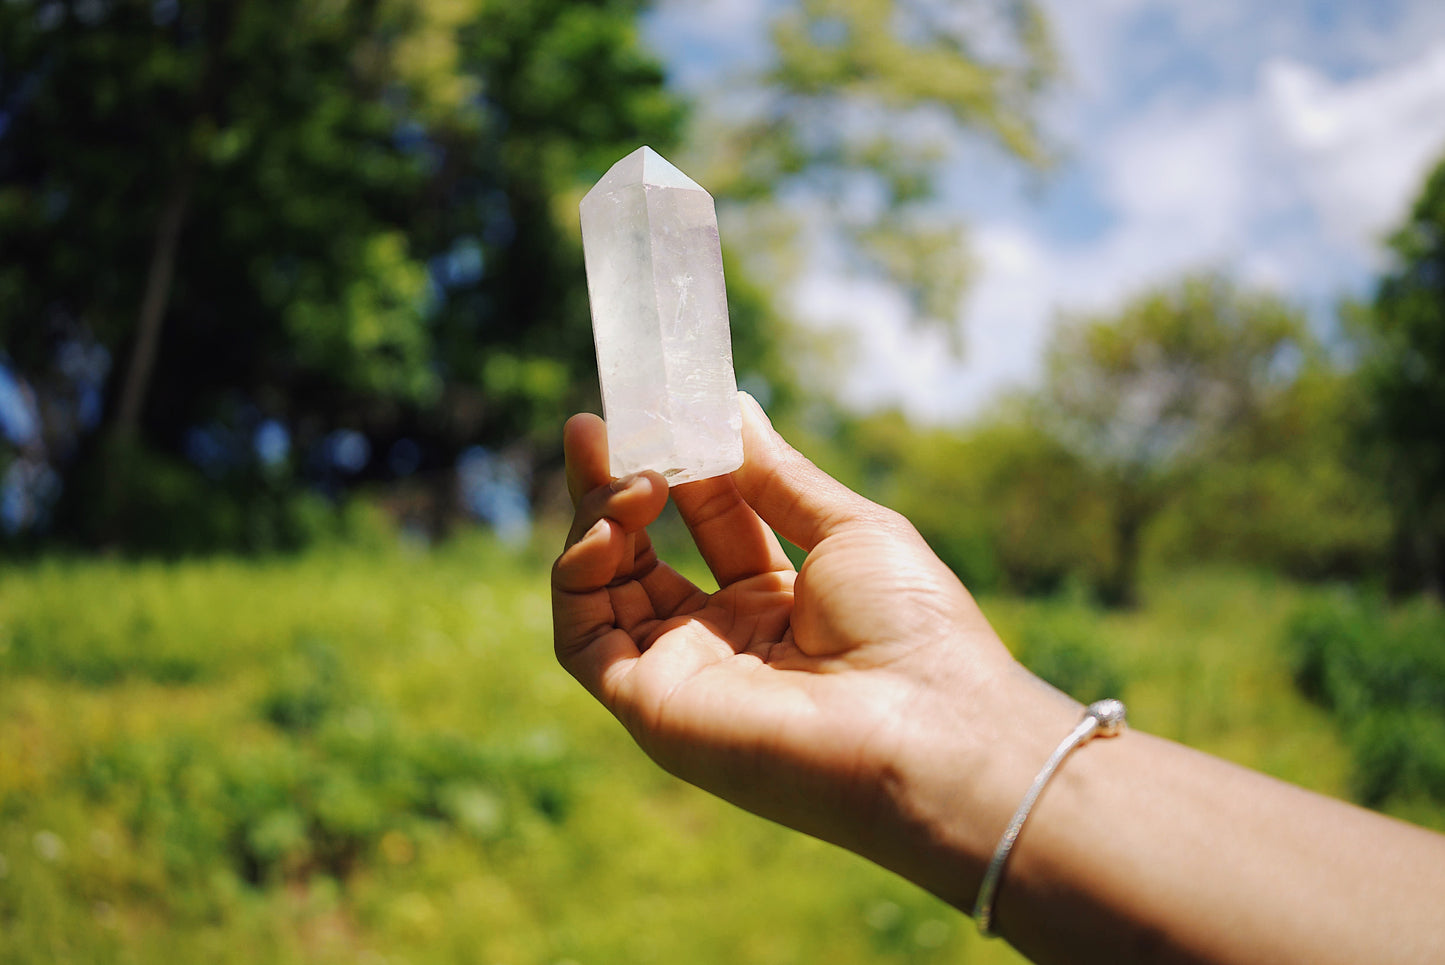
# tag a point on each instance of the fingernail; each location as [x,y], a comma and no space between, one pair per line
[757,408]
[626,482]
[597,527]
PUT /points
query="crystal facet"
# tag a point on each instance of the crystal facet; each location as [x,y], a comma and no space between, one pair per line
[660,322]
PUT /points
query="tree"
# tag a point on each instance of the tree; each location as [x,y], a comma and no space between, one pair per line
[212,196]
[835,151]
[1288,490]
[247,145]
[1402,348]
[1149,397]
[316,218]
[267,222]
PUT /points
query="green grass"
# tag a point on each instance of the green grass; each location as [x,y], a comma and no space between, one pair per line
[372,757]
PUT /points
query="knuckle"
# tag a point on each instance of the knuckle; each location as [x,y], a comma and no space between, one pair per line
[716,505]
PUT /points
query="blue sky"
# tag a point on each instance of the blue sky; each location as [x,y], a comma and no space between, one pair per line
[1277,141]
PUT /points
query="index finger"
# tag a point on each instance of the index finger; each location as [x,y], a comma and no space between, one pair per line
[584,441]
[633,502]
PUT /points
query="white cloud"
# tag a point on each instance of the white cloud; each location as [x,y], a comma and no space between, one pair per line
[1279,141]
[874,347]
[1288,180]
[1178,182]
[1363,147]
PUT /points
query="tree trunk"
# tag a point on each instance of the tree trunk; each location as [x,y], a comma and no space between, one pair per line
[153,305]
[1121,588]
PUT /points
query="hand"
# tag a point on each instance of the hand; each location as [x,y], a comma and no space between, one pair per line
[849,699]
[865,700]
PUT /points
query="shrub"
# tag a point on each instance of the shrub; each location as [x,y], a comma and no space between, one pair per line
[133,635]
[308,686]
[1063,645]
[1382,673]
[316,791]
[1398,753]
[149,504]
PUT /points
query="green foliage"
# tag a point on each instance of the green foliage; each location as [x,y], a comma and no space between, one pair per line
[377,756]
[1402,343]
[360,216]
[1065,644]
[570,88]
[1200,423]
[370,337]
[150,503]
[309,686]
[1382,673]
[1287,490]
[268,810]
[1001,502]
[1043,512]
[1149,398]
[855,117]
[257,120]
[919,473]
[1148,387]
[1399,754]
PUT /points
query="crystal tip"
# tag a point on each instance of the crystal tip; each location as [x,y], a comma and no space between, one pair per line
[645,166]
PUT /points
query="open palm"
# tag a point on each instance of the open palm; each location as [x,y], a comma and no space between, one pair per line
[783,688]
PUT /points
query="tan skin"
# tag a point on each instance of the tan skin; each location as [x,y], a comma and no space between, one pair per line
[864,699]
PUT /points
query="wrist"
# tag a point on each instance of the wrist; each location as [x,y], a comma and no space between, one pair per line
[965,764]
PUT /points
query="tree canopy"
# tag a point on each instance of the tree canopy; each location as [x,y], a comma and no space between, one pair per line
[258,244]
[306,219]
[1402,345]
[1151,395]
[836,150]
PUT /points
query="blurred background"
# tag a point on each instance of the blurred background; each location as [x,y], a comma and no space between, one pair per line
[1135,307]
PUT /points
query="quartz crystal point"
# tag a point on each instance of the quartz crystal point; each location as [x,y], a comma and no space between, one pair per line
[660,322]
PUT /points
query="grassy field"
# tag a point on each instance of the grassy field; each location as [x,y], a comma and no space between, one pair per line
[372,757]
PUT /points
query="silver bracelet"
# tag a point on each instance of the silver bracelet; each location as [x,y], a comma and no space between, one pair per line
[1103,718]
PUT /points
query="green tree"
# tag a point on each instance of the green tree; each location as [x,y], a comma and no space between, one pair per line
[158,159]
[568,89]
[212,195]
[1402,344]
[1286,491]
[1149,397]
[338,215]
[837,147]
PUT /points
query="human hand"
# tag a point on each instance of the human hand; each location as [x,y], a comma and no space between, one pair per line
[851,699]
[865,700]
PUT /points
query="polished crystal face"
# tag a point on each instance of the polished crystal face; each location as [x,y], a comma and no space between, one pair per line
[660,322]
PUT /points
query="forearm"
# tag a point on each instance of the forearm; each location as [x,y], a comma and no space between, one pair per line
[1148,851]
[1144,850]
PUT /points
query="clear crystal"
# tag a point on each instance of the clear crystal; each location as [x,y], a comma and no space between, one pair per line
[660,322]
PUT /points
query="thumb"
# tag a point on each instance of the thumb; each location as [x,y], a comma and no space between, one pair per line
[796,498]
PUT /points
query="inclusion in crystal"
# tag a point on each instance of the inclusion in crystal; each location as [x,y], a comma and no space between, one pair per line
[660,322]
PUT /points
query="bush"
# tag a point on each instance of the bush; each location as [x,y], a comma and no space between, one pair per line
[149,504]
[1382,673]
[1399,753]
[309,686]
[277,809]
[1062,643]
[133,635]
[316,784]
